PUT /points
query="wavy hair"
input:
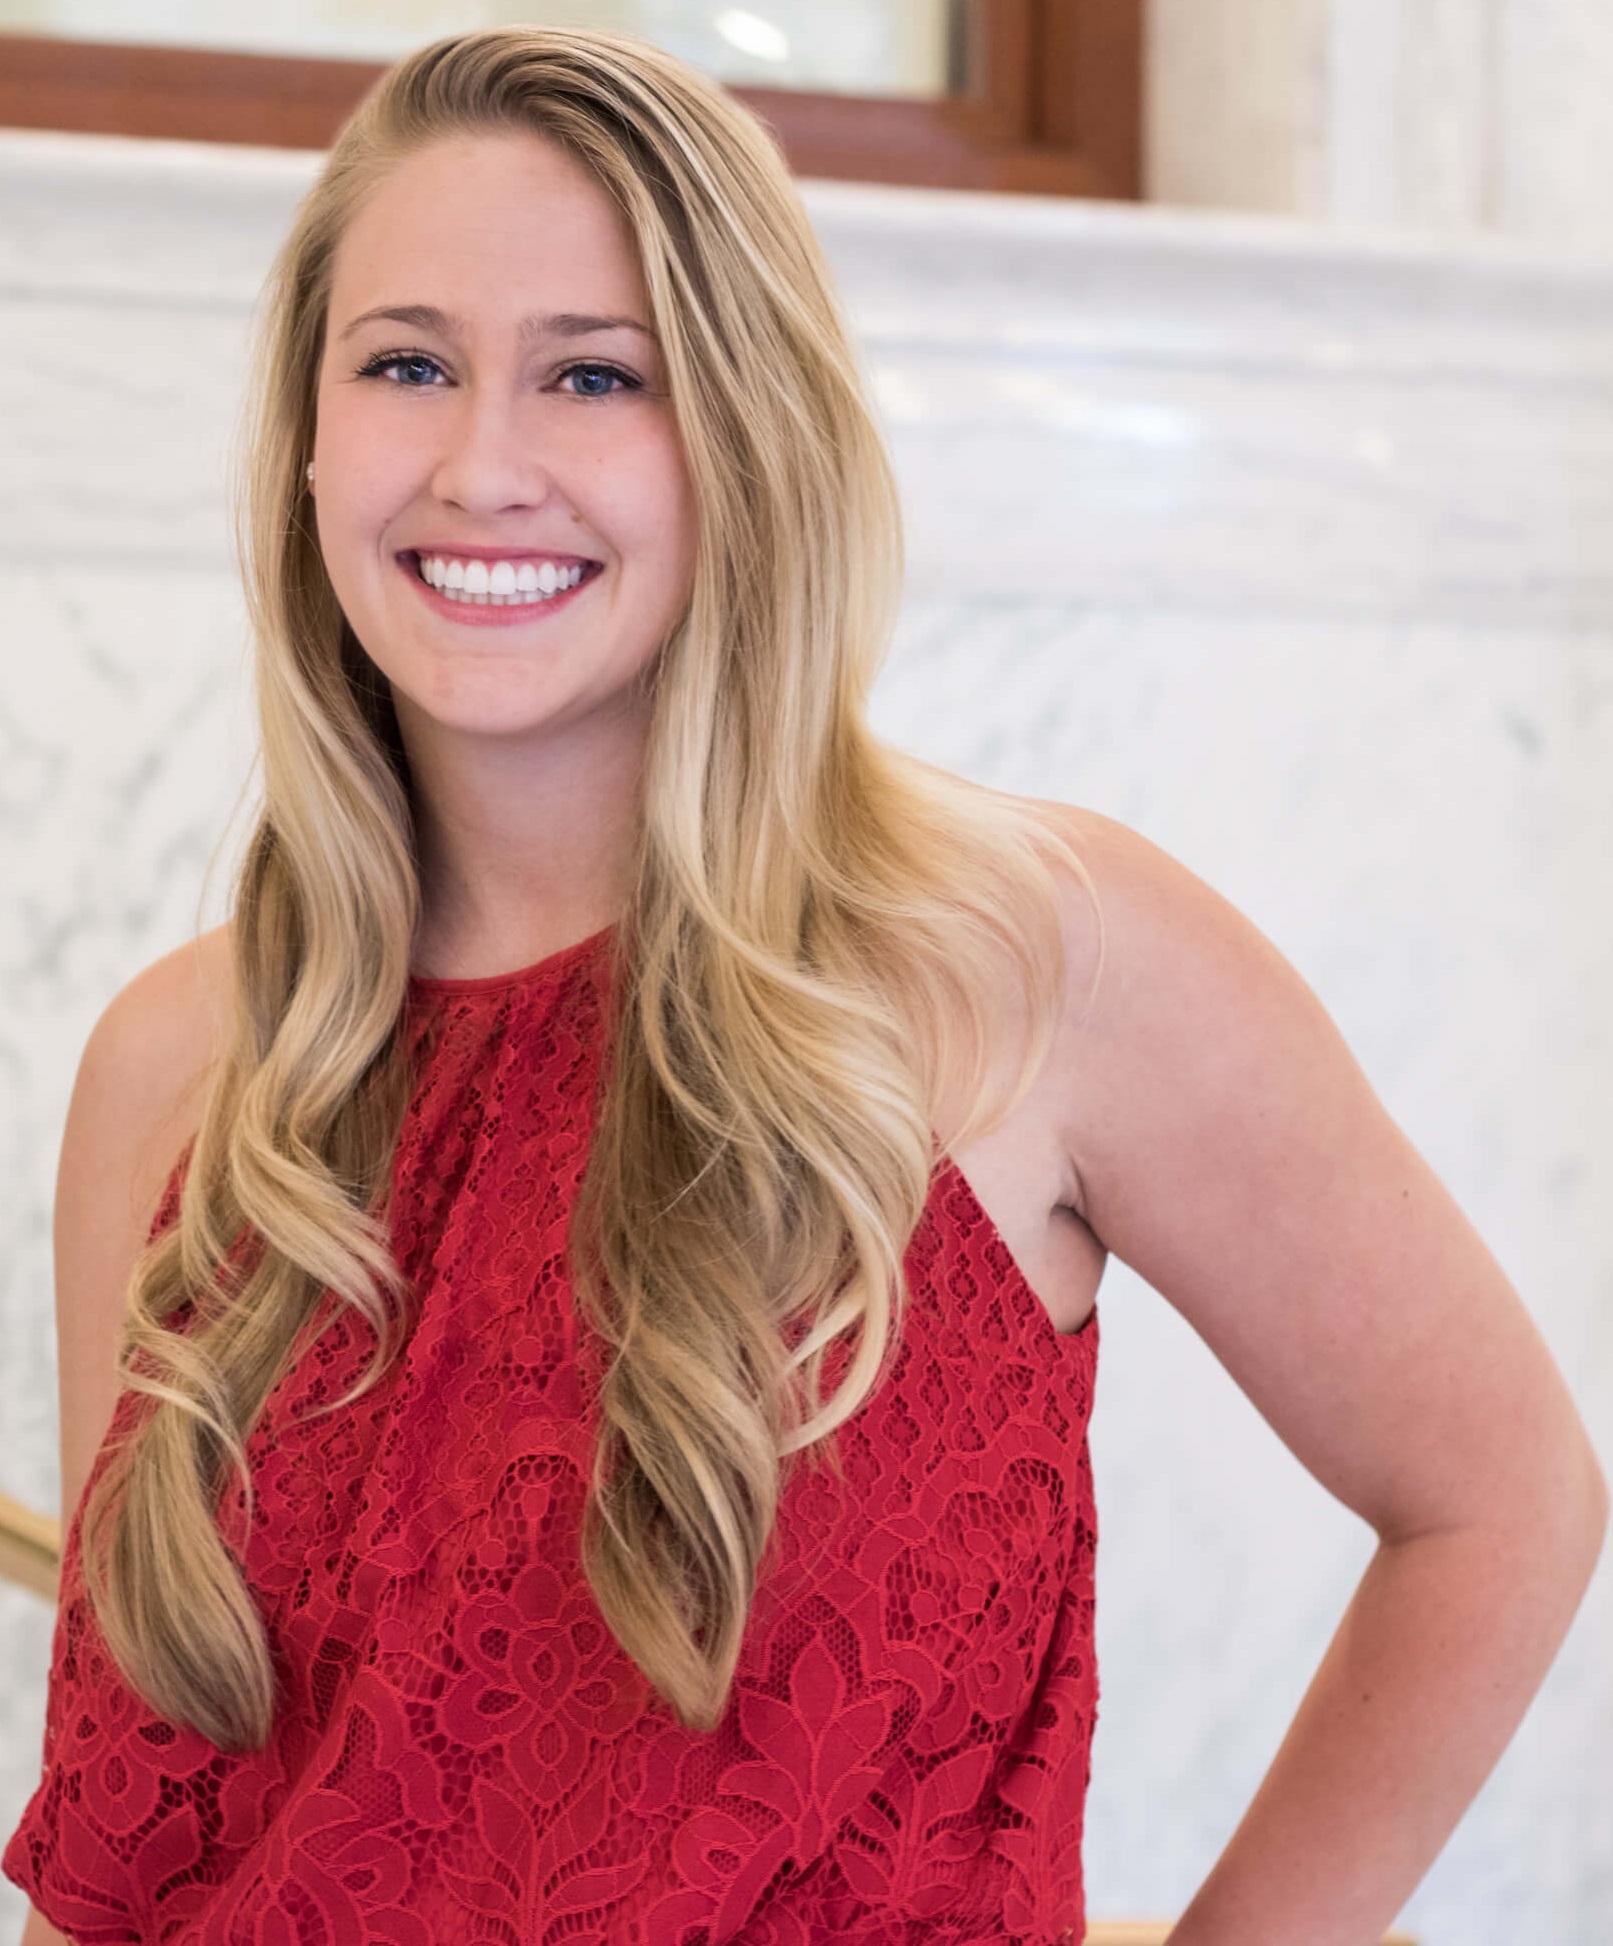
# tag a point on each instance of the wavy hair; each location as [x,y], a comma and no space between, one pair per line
[820,943]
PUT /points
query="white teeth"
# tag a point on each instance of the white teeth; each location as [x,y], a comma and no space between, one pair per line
[501,583]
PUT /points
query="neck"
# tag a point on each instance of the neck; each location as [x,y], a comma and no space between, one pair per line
[525,845]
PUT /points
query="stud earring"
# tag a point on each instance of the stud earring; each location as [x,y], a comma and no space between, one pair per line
[310,472]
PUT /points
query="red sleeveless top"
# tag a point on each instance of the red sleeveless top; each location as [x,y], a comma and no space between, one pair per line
[463,1752]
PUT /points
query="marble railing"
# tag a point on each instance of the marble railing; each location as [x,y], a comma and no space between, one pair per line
[1291,550]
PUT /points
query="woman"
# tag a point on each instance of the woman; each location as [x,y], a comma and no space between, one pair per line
[623,1078]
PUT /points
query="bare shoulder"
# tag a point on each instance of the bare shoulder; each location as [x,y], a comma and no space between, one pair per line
[1184,1024]
[1144,932]
[1131,876]
[146,1064]
[137,1100]
[1145,941]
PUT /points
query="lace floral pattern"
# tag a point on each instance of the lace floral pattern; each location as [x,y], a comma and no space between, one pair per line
[463,1752]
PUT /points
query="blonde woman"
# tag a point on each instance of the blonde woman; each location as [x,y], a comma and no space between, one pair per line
[604,1245]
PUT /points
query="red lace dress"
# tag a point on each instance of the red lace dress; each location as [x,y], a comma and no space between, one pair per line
[464,1753]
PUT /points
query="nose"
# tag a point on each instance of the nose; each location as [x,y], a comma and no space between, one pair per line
[489,460]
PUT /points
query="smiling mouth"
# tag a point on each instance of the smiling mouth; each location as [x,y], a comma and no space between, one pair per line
[500,583]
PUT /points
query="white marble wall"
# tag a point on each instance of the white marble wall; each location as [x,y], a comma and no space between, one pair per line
[1426,115]
[1290,551]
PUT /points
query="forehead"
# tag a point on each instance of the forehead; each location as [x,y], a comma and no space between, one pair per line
[488,223]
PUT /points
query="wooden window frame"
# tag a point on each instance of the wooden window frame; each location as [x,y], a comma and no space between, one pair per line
[1055,106]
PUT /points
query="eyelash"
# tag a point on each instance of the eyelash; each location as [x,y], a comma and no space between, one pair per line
[374,367]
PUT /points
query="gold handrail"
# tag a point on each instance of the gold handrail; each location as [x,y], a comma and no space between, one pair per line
[30,1547]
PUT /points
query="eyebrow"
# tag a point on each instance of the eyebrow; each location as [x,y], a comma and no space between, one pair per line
[558,324]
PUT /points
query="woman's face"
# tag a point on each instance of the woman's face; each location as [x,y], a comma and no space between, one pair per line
[512,430]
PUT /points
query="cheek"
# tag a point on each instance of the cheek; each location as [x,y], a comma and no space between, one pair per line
[670,521]
[366,456]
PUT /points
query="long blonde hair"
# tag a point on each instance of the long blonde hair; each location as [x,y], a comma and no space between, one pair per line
[821,934]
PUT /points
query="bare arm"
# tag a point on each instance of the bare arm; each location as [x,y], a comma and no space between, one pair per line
[136,1102]
[1231,1150]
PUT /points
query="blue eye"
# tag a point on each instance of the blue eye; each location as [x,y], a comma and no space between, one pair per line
[384,360]
[598,371]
